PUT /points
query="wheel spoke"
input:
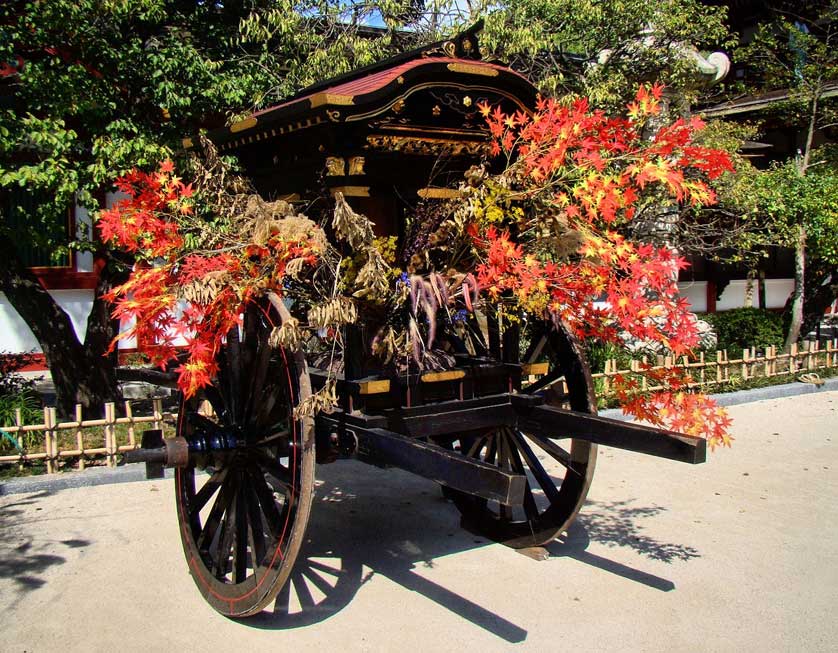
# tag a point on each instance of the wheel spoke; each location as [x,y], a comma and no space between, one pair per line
[536,468]
[202,422]
[240,543]
[534,350]
[279,475]
[261,364]
[266,502]
[547,380]
[224,545]
[503,458]
[492,450]
[234,361]
[256,526]
[504,463]
[219,405]
[558,453]
[284,433]
[205,493]
[222,500]
[530,507]
[477,444]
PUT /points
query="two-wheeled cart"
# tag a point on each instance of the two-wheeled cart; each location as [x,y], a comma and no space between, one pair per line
[509,431]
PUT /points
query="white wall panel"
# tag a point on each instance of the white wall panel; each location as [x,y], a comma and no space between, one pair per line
[16,337]
[733,295]
[696,294]
[777,291]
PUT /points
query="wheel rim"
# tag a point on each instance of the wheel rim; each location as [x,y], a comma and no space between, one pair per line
[555,491]
[242,523]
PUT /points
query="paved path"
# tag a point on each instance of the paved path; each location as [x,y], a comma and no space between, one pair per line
[737,554]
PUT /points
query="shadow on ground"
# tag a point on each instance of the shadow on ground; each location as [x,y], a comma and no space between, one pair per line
[391,523]
[24,558]
[615,524]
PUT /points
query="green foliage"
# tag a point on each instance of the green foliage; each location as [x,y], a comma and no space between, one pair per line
[103,86]
[597,352]
[798,52]
[107,85]
[793,203]
[602,50]
[742,328]
[16,393]
[734,230]
[787,199]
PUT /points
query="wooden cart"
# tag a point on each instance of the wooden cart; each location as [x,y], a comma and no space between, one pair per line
[510,432]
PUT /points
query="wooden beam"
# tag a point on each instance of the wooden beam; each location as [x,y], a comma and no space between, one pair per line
[456,421]
[375,387]
[446,375]
[556,423]
[534,369]
[384,448]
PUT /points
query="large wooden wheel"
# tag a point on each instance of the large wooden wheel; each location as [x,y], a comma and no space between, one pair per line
[242,523]
[559,472]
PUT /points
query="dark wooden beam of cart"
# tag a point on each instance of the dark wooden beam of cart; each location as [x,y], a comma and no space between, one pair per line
[509,432]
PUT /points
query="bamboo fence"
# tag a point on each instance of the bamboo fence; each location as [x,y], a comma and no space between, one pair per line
[82,442]
[718,369]
[93,440]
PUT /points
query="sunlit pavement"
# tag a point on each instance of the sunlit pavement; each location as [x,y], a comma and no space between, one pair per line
[736,554]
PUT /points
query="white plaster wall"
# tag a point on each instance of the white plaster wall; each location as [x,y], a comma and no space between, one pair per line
[777,291]
[696,294]
[16,337]
[733,295]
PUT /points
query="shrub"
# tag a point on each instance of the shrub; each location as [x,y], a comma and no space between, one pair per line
[597,352]
[16,393]
[743,328]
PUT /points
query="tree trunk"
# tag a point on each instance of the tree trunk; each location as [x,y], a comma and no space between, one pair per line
[79,372]
[822,290]
[799,293]
[799,288]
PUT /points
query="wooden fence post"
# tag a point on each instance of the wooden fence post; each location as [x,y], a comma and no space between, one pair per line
[79,437]
[157,409]
[19,425]
[110,433]
[49,431]
[129,415]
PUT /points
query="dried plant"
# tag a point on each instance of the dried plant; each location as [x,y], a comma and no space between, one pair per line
[353,228]
[322,401]
[289,335]
[335,312]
